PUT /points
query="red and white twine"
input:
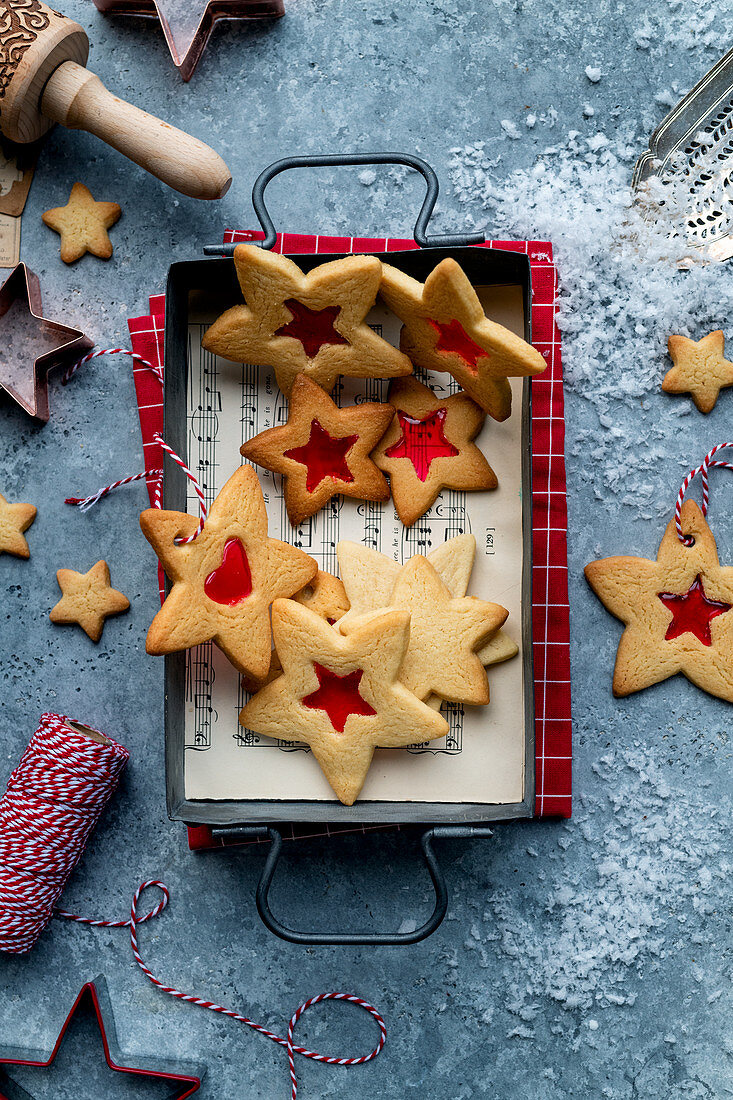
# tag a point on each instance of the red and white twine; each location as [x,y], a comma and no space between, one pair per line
[85,503]
[703,469]
[71,371]
[53,801]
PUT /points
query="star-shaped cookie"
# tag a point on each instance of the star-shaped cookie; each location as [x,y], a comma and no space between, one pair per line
[14,520]
[700,369]
[341,695]
[87,599]
[678,611]
[369,579]
[225,580]
[445,633]
[429,446]
[312,323]
[445,329]
[83,225]
[322,450]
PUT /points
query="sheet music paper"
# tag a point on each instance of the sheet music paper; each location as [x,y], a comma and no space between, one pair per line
[482,758]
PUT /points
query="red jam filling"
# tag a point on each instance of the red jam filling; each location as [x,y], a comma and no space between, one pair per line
[338,696]
[323,456]
[692,612]
[453,338]
[313,327]
[422,441]
[232,581]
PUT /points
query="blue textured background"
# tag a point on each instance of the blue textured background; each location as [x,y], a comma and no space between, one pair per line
[583,959]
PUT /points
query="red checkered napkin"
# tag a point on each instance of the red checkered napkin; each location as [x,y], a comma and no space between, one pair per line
[550,615]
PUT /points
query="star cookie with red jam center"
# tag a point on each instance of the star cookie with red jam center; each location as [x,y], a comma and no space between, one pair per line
[14,520]
[678,611]
[314,323]
[87,599]
[445,329]
[322,450]
[429,446]
[700,369]
[225,580]
[340,695]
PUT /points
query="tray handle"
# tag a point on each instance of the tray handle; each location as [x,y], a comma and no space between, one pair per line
[344,939]
[336,160]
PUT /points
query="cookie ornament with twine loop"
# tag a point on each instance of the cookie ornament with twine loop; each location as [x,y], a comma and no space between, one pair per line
[53,800]
[678,610]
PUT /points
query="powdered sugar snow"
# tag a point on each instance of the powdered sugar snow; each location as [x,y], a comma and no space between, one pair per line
[621,296]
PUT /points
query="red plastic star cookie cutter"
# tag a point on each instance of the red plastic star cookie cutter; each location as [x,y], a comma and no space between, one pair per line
[31,345]
[94,998]
[187,24]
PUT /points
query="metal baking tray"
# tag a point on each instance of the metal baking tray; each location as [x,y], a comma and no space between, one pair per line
[214,280]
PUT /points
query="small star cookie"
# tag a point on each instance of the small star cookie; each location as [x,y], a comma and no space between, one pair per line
[312,323]
[445,329]
[14,520]
[322,450]
[87,599]
[700,369]
[678,611]
[369,579]
[429,446]
[341,695]
[445,633]
[225,580]
[83,225]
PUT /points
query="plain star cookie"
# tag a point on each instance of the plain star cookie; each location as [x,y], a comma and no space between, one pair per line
[314,323]
[445,329]
[369,579]
[341,695]
[429,446]
[322,450]
[225,580]
[700,369]
[14,520]
[83,225]
[441,657]
[678,611]
[87,599]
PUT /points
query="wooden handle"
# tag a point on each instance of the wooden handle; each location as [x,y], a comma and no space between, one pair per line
[78,99]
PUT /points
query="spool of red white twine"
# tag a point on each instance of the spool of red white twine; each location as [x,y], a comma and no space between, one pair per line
[53,801]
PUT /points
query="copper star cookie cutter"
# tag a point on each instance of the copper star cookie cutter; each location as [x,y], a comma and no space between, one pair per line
[188,24]
[30,344]
[183,1080]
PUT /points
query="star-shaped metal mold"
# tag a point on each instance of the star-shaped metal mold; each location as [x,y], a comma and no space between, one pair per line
[678,611]
[183,1080]
[30,344]
[188,24]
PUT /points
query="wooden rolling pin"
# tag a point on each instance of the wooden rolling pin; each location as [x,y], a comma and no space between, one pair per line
[43,80]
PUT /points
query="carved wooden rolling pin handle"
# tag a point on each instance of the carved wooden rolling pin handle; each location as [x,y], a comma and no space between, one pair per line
[43,80]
